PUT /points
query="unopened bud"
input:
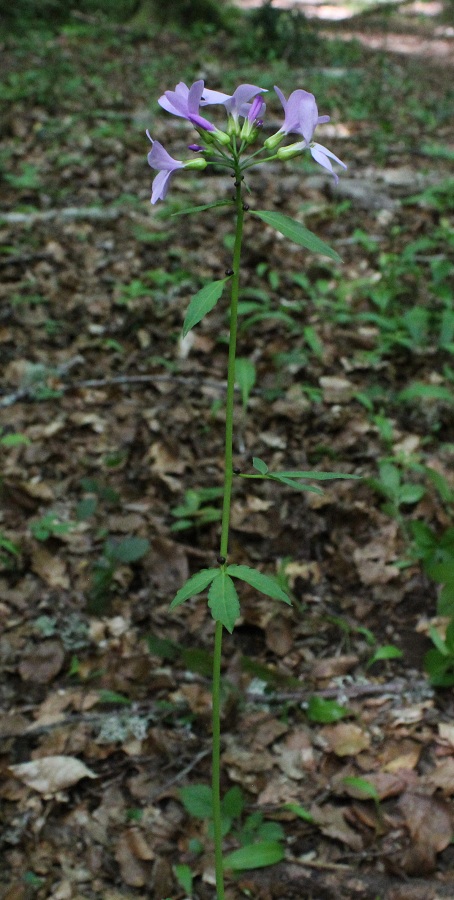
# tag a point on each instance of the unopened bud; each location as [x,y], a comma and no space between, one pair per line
[198,163]
[274,140]
[291,150]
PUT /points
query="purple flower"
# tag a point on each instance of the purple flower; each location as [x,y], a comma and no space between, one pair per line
[185,102]
[158,158]
[238,105]
[256,111]
[301,117]
[301,114]
[320,154]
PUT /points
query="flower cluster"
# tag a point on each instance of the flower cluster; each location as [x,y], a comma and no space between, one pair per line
[226,148]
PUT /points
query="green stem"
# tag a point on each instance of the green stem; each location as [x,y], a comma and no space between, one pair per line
[235,285]
[216,762]
[228,479]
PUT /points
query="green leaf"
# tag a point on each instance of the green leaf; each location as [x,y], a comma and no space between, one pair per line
[363,787]
[223,600]
[255,856]
[421,391]
[445,603]
[259,465]
[245,378]
[260,582]
[388,651]
[183,874]
[13,440]
[198,660]
[197,800]
[194,209]
[162,647]
[233,802]
[326,711]
[113,697]
[296,233]
[295,485]
[128,549]
[316,476]
[194,585]
[438,641]
[299,811]
[202,303]
[411,493]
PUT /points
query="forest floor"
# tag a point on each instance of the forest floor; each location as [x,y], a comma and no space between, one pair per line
[339,744]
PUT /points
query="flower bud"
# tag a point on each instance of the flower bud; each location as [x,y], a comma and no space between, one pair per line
[291,150]
[217,137]
[233,127]
[198,163]
[274,140]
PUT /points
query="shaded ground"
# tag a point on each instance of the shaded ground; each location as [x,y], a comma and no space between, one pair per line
[122,418]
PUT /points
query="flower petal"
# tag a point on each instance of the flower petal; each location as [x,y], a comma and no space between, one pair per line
[321,154]
[158,158]
[237,104]
[160,186]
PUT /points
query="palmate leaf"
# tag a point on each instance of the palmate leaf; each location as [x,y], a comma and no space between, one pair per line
[260,582]
[223,600]
[202,303]
[296,232]
[194,585]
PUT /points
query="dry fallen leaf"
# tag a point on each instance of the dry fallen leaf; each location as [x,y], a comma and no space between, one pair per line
[345,739]
[52,774]
[41,663]
[429,822]
[330,820]
[52,569]
[442,777]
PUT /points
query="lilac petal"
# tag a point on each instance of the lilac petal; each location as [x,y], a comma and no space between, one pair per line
[308,116]
[322,119]
[328,153]
[213,97]
[281,96]
[321,154]
[195,96]
[158,158]
[175,101]
[293,111]
[236,104]
[160,186]
[257,109]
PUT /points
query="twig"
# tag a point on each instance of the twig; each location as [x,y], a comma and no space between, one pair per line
[350,691]
[71,212]
[28,392]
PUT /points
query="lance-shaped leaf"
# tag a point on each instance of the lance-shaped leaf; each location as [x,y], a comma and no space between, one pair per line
[194,585]
[259,465]
[255,856]
[245,378]
[202,303]
[297,233]
[196,209]
[317,476]
[223,600]
[260,582]
[291,482]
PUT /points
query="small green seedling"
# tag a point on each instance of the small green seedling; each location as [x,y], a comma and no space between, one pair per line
[439,661]
[197,509]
